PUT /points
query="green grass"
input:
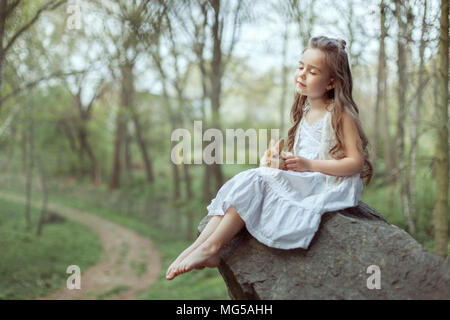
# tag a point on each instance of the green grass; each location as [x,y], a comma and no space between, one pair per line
[114,291]
[196,285]
[32,266]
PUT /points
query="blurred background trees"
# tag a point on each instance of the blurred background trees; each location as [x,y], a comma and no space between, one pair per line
[87,110]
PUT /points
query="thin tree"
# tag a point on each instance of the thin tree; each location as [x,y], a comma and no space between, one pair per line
[441,148]
[220,59]
[380,103]
[43,178]
[415,112]
[30,159]
[404,15]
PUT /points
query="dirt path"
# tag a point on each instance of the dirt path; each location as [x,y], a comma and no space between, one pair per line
[128,265]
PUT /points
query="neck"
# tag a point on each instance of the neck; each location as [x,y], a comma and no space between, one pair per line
[319,104]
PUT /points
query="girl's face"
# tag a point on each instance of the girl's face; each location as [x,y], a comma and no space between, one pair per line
[313,74]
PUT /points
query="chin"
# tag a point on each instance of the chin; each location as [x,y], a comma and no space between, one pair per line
[299,90]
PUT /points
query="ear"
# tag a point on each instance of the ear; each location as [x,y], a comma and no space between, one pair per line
[331,84]
[280,145]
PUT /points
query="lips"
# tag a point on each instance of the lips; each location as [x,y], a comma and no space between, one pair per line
[301,84]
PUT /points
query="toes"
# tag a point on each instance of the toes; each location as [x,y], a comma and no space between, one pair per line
[184,268]
[179,270]
[171,273]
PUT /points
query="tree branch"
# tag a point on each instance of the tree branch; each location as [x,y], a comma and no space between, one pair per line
[35,83]
[11,7]
[51,5]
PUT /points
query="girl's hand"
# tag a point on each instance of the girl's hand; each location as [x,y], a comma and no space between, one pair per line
[297,163]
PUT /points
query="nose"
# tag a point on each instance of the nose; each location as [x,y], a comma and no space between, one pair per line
[299,74]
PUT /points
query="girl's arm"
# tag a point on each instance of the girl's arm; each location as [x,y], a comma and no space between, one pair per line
[343,167]
[349,165]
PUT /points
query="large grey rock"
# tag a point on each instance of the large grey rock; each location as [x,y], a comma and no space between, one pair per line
[337,263]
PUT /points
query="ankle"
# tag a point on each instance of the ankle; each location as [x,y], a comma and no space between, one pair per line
[211,247]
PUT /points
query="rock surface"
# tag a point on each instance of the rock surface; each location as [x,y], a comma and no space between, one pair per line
[342,262]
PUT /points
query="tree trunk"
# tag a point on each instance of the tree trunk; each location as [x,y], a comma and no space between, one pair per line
[24,144]
[11,147]
[389,151]
[128,85]
[381,82]
[168,106]
[207,173]
[284,77]
[144,149]
[402,51]
[442,158]
[1,73]
[3,10]
[86,148]
[415,118]
[43,176]
[188,184]
[199,47]
[189,197]
[216,83]
[118,143]
[30,154]
[128,160]
[206,194]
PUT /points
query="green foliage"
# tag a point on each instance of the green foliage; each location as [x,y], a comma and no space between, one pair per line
[33,266]
[386,200]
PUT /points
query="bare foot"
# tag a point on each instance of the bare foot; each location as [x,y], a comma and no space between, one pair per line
[203,256]
[180,258]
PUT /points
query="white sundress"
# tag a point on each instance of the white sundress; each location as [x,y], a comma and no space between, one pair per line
[283,208]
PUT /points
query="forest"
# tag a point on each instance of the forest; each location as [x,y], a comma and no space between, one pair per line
[92,94]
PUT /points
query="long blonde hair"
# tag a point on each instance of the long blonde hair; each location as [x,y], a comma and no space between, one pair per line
[337,62]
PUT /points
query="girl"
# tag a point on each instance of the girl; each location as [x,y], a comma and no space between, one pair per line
[283,208]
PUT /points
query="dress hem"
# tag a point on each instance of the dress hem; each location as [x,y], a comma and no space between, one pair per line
[264,239]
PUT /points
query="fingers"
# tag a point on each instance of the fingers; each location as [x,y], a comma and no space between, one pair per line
[290,165]
[290,160]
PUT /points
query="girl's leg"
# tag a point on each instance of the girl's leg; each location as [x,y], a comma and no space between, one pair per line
[230,225]
[207,254]
[207,231]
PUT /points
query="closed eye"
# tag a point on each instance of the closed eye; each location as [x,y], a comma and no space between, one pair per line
[310,72]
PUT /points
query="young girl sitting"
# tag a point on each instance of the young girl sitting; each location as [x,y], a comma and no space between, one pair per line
[282,208]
